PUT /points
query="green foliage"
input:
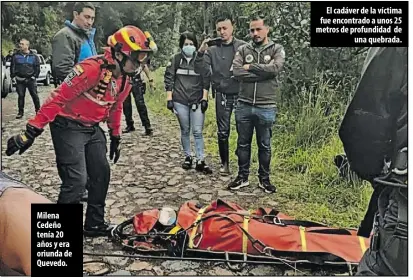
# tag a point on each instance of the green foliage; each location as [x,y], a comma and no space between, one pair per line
[35,21]
[289,23]
[6,46]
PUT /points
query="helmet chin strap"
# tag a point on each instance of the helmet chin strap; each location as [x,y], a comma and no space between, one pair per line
[122,64]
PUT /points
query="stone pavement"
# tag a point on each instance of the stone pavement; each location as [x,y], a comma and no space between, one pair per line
[148,175]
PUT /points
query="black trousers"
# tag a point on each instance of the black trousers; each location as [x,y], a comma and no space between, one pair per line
[21,87]
[387,255]
[138,94]
[224,106]
[81,160]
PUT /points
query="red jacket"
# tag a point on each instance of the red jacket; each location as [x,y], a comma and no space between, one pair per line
[88,95]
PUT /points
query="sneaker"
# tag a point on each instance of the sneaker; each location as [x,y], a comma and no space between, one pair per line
[266,186]
[238,183]
[224,170]
[100,230]
[128,129]
[187,163]
[19,116]
[201,166]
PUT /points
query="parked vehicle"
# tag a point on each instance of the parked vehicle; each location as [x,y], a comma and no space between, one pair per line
[45,71]
[6,83]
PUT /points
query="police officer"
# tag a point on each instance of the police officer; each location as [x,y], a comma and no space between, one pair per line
[218,62]
[138,92]
[93,92]
[25,68]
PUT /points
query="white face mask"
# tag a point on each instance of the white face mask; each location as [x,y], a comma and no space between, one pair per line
[188,50]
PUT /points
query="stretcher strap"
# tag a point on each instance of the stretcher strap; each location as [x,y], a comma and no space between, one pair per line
[194,230]
[362,244]
[175,229]
[244,236]
[303,240]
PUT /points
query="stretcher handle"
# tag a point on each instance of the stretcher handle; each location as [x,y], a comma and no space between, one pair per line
[235,267]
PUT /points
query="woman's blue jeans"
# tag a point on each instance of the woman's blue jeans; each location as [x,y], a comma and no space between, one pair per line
[189,119]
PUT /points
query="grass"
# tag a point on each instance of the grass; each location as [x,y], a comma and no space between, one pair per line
[304,144]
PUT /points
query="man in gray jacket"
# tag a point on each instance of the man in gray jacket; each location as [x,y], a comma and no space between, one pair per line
[218,62]
[74,42]
[256,65]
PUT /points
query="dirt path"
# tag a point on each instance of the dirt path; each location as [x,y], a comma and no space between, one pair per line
[148,175]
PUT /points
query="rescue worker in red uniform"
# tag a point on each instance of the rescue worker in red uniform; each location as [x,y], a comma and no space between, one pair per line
[92,93]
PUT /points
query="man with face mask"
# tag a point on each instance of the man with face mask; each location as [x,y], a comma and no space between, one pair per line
[92,93]
[256,65]
[217,60]
[74,42]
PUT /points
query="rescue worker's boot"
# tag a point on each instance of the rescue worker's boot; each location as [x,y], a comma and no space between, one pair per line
[224,154]
[104,229]
[129,128]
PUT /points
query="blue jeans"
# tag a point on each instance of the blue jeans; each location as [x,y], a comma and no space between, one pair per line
[189,119]
[247,118]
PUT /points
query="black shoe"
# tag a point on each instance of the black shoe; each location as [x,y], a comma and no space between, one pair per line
[266,186]
[19,116]
[128,129]
[238,183]
[201,166]
[187,163]
[148,131]
[85,195]
[101,230]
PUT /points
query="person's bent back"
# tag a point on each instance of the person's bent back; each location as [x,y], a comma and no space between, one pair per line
[15,226]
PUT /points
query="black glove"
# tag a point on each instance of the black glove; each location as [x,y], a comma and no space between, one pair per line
[170,105]
[115,142]
[204,105]
[22,141]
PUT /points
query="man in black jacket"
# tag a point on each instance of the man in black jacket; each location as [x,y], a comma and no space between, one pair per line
[218,60]
[138,92]
[25,68]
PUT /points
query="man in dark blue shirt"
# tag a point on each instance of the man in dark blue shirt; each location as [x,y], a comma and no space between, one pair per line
[25,68]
